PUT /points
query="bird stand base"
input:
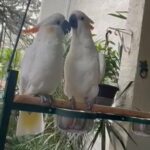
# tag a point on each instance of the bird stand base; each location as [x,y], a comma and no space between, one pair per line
[141,129]
[74,125]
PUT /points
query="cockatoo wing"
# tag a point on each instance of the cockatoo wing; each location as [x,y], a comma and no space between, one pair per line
[28,123]
[26,67]
[81,72]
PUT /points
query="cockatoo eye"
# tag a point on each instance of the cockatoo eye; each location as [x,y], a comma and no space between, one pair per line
[82,18]
[58,22]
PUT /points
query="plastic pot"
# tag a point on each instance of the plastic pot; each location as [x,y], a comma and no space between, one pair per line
[106,94]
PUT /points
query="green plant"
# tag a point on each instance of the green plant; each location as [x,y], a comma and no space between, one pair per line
[5,55]
[119,14]
[113,53]
[112,60]
[50,139]
[11,14]
[112,129]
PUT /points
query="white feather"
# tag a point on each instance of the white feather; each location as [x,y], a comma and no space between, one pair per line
[81,69]
[82,73]
[41,71]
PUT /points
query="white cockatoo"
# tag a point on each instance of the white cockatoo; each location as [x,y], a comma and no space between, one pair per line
[42,68]
[83,71]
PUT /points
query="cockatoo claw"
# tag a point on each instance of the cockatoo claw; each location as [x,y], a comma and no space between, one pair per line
[89,104]
[73,102]
[46,99]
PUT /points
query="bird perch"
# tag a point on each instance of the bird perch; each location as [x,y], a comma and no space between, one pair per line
[64,104]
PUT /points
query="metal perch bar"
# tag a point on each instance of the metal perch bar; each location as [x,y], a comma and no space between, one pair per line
[109,112]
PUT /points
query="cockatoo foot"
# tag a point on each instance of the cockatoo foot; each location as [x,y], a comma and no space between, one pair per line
[89,103]
[73,102]
[89,106]
[46,99]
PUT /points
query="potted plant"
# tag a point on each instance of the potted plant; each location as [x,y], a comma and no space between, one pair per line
[107,90]
[108,87]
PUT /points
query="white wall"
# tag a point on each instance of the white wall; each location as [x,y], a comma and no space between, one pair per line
[138,96]
[141,97]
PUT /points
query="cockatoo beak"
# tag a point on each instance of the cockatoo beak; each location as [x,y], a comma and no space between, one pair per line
[31,30]
[73,21]
[66,27]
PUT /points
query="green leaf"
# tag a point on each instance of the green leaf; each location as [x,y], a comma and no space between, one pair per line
[124,129]
[96,135]
[109,132]
[118,15]
[103,137]
[117,135]
[122,12]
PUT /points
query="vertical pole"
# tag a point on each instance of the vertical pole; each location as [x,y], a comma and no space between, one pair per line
[8,100]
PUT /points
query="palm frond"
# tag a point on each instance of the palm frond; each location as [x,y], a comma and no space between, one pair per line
[117,135]
[103,136]
[96,135]
[125,130]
